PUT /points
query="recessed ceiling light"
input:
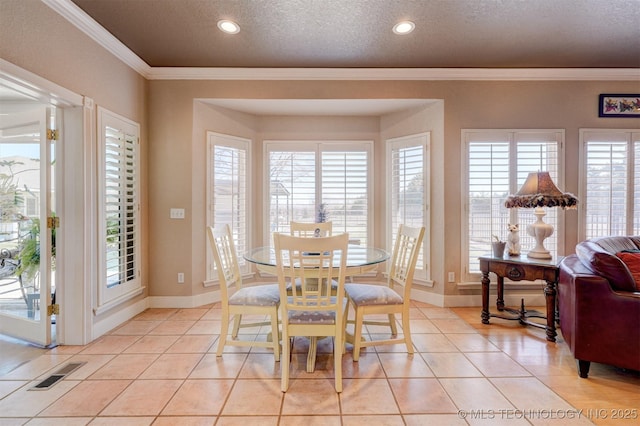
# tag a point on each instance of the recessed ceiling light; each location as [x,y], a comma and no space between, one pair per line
[228,27]
[404,27]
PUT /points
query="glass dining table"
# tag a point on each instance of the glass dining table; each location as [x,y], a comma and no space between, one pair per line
[360,260]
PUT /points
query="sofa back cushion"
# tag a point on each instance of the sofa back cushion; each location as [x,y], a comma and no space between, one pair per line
[599,255]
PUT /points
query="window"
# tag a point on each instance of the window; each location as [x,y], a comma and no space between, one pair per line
[306,176]
[408,183]
[228,191]
[611,182]
[119,220]
[497,164]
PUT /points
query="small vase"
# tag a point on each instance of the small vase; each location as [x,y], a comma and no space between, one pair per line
[498,248]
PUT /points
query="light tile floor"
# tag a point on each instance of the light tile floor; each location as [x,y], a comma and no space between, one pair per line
[160,368]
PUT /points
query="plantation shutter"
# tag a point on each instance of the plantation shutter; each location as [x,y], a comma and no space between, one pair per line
[635,192]
[344,192]
[612,183]
[498,164]
[407,185]
[488,174]
[121,205]
[229,188]
[536,151]
[292,188]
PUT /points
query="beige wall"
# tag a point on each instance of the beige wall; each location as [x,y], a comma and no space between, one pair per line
[37,39]
[526,104]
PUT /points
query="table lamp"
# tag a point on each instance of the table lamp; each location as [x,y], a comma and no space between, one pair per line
[539,191]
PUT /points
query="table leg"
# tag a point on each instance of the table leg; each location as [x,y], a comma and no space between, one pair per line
[311,356]
[485,297]
[550,296]
[500,299]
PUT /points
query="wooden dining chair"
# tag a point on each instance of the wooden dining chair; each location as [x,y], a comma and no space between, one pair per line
[311,229]
[311,311]
[238,300]
[390,299]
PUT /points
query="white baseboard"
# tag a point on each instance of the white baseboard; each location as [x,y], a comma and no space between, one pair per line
[184,301]
[531,298]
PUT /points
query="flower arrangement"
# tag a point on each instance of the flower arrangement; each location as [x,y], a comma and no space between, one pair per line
[322,214]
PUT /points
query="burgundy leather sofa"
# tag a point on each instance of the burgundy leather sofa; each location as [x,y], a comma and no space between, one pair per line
[599,303]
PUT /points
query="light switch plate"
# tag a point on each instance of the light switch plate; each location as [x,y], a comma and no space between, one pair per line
[176,214]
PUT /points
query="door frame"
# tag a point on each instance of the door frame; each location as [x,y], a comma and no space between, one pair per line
[75,193]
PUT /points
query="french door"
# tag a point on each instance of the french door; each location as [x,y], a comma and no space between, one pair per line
[28,134]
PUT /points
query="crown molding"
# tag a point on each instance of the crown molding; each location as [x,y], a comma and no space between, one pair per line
[79,18]
[470,74]
[86,24]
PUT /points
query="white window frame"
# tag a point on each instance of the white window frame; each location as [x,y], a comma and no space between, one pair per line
[420,140]
[318,147]
[515,179]
[630,137]
[108,297]
[241,232]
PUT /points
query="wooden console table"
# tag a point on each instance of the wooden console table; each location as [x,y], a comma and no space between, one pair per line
[518,268]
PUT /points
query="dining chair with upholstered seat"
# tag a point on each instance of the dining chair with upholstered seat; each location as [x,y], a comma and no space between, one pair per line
[238,300]
[390,299]
[311,311]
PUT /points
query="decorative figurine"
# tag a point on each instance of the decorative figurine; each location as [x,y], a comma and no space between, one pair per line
[513,240]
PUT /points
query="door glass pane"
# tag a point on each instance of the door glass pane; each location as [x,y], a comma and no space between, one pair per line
[20,198]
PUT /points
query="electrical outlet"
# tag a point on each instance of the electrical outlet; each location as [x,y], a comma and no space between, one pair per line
[452,277]
[180,278]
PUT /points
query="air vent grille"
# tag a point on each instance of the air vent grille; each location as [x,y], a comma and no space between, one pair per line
[57,376]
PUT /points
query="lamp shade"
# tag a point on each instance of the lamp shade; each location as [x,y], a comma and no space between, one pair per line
[540,191]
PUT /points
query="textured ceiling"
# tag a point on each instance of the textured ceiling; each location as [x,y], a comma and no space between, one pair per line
[357,33]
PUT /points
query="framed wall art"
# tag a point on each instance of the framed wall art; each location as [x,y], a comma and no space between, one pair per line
[614,105]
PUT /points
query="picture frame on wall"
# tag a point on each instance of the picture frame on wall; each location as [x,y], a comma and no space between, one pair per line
[617,105]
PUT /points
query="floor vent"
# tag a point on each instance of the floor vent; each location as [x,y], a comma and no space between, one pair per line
[57,376]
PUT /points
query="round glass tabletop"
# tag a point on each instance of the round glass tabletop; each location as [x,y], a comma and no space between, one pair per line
[357,256]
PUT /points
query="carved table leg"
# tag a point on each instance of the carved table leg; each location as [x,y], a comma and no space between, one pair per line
[485,297]
[500,300]
[550,296]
